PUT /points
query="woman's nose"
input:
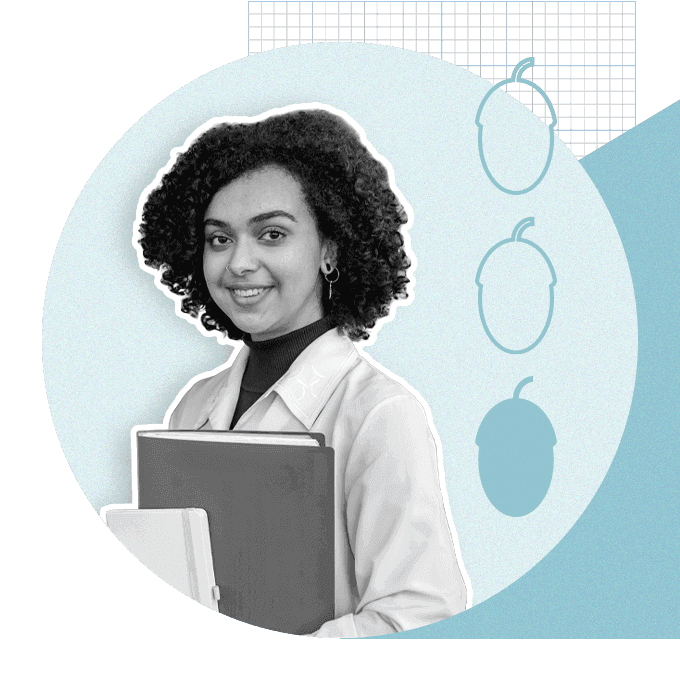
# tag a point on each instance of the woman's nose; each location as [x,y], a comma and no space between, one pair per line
[243,258]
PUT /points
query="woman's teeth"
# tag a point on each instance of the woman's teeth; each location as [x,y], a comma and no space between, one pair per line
[247,292]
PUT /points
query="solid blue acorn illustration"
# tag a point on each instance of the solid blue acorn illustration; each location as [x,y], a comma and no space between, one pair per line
[516,292]
[516,77]
[516,443]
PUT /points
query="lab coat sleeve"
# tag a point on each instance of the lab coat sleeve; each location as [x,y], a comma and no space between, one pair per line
[406,569]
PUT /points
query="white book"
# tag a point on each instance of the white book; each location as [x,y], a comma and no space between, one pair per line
[174,544]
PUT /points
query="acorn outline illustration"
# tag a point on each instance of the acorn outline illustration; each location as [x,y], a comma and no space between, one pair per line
[516,237]
[516,78]
[516,459]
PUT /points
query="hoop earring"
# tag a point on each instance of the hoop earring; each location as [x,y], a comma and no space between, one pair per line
[331,281]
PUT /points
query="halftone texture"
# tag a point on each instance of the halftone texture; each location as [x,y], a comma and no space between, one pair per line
[584,51]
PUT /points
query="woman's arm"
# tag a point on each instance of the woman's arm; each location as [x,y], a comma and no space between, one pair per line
[406,569]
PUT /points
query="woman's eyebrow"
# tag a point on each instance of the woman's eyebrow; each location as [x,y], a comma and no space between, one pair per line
[269,215]
[210,222]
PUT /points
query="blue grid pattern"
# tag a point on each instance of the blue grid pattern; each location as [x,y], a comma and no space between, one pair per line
[584,51]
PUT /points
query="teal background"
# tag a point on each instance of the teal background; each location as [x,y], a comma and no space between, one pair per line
[78,75]
[616,573]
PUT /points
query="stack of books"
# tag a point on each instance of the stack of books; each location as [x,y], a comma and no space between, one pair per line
[269,502]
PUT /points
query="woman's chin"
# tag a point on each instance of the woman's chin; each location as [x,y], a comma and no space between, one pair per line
[255,324]
[250,326]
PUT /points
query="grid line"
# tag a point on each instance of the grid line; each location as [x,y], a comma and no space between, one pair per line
[584,51]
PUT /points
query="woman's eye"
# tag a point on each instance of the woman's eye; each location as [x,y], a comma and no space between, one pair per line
[273,235]
[217,240]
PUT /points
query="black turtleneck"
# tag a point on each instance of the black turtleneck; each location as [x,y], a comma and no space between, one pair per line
[270,359]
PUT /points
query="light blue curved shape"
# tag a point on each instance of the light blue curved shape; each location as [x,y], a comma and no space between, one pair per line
[516,236]
[516,78]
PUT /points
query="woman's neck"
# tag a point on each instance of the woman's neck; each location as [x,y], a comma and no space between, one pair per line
[270,359]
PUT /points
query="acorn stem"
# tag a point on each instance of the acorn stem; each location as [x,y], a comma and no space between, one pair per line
[519,387]
[521,67]
[521,226]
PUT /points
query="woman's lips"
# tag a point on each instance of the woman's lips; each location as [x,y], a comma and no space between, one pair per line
[249,295]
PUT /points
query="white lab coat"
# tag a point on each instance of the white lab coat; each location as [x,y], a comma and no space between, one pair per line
[395,562]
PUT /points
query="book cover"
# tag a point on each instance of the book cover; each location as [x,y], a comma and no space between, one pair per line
[270,509]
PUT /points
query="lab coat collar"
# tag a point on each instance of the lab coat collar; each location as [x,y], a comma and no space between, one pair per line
[304,388]
[309,382]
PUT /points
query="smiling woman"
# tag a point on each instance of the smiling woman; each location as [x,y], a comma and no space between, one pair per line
[285,232]
[263,254]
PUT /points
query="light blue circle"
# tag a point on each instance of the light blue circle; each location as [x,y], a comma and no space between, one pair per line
[115,354]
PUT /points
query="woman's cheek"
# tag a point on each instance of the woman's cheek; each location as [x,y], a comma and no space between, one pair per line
[212,268]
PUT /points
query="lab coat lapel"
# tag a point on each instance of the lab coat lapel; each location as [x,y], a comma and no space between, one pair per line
[223,404]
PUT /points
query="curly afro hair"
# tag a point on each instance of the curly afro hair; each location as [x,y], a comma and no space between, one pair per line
[345,186]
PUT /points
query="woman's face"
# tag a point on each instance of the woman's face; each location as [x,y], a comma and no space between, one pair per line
[263,253]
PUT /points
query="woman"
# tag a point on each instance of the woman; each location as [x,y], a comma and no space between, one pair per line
[286,234]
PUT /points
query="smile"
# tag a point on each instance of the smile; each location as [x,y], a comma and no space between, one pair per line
[248,294]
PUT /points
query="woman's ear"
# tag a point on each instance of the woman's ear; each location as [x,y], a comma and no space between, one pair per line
[329,256]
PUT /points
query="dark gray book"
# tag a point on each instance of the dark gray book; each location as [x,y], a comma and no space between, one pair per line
[269,498]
